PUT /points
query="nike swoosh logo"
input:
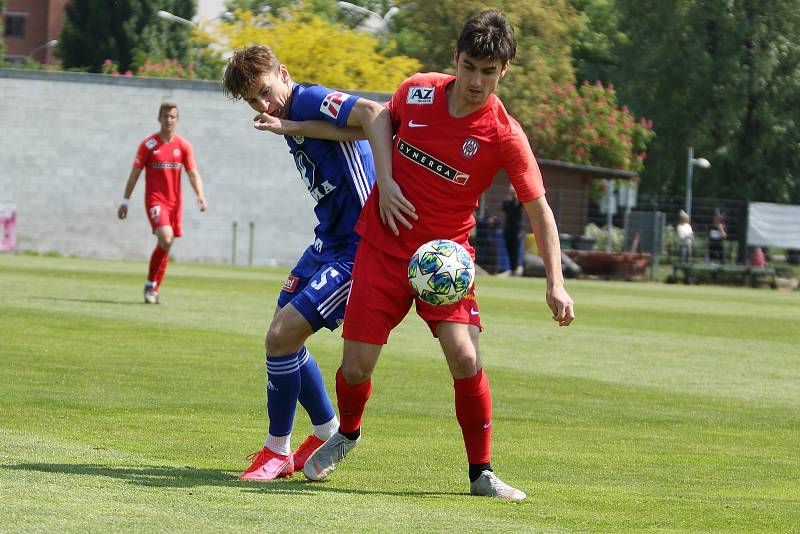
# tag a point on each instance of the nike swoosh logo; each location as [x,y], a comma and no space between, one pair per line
[412,124]
[473,311]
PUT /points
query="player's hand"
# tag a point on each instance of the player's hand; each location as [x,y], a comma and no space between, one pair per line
[561,305]
[122,211]
[202,204]
[268,123]
[394,206]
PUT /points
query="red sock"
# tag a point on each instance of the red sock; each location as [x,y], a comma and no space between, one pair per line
[351,400]
[474,414]
[158,265]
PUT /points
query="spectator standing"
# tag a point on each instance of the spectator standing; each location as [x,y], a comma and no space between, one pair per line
[512,228]
[716,237]
[685,237]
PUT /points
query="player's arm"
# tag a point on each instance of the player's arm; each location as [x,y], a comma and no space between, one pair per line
[376,122]
[197,184]
[133,177]
[317,129]
[546,233]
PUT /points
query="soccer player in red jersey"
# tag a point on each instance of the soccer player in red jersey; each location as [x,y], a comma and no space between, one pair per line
[162,154]
[451,137]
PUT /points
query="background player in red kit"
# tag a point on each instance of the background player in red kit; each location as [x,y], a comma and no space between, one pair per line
[451,137]
[162,154]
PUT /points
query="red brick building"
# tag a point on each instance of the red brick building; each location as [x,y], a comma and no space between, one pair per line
[28,27]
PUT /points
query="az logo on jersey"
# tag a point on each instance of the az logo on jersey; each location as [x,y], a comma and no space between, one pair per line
[420,95]
[332,104]
[151,143]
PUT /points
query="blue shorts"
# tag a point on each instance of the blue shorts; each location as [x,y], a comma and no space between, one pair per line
[319,285]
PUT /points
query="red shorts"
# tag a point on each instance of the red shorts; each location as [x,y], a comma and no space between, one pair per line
[380,297]
[164,215]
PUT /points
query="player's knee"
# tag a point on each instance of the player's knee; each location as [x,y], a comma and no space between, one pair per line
[275,338]
[464,364]
[282,338]
[354,372]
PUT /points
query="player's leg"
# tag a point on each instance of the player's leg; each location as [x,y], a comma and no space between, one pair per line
[473,400]
[322,305]
[292,372]
[379,299]
[285,336]
[160,222]
[353,389]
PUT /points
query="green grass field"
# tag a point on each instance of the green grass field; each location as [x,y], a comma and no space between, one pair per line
[670,408]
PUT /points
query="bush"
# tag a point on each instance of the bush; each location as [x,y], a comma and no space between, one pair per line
[600,236]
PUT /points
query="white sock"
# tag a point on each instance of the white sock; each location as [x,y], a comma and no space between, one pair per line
[279,444]
[326,430]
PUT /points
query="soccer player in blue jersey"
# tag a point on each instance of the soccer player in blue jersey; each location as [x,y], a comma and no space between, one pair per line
[339,175]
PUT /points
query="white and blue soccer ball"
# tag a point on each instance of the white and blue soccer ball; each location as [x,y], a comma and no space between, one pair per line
[441,272]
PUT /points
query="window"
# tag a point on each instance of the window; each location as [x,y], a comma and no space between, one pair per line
[14,25]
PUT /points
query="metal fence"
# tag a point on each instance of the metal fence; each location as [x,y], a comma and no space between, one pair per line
[634,224]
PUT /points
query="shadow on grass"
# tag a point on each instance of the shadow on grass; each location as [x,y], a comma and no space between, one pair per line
[93,301]
[188,477]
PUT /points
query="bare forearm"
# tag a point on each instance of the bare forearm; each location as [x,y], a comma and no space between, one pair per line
[546,233]
[316,129]
[196,182]
[374,120]
[133,177]
[326,130]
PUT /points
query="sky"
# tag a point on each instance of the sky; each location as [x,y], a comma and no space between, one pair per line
[208,9]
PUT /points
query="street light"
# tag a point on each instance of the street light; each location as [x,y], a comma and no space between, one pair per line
[48,44]
[692,162]
[373,23]
[166,15]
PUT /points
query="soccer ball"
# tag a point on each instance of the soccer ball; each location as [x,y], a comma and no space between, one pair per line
[441,272]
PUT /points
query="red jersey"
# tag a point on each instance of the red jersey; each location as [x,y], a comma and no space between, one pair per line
[163,163]
[443,164]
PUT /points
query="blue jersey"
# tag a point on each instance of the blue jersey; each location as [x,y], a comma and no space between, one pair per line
[338,174]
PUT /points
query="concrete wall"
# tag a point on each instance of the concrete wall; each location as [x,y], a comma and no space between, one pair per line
[67,142]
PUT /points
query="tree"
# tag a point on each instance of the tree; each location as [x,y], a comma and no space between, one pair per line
[723,77]
[429,31]
[595,40]
[585,125]
[2,32]
[314,49]
[126,31]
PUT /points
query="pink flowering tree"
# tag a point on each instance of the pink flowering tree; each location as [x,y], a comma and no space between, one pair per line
[167,68]
[585,125]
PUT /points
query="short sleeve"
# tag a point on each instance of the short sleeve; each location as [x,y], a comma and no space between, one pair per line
[142,155]
[188,156]
[318,102]
[520,164]
[395,105]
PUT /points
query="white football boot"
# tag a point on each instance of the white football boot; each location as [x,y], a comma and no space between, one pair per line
[325,459]
[490,485]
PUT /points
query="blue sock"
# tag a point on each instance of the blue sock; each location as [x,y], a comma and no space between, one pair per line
[283,389]
[313,396]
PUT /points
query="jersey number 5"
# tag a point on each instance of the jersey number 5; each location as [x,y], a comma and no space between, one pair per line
[323,279]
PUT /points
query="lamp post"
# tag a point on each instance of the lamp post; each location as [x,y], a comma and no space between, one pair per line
[692,162]
[373,23]
[166,15]
[48,44]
